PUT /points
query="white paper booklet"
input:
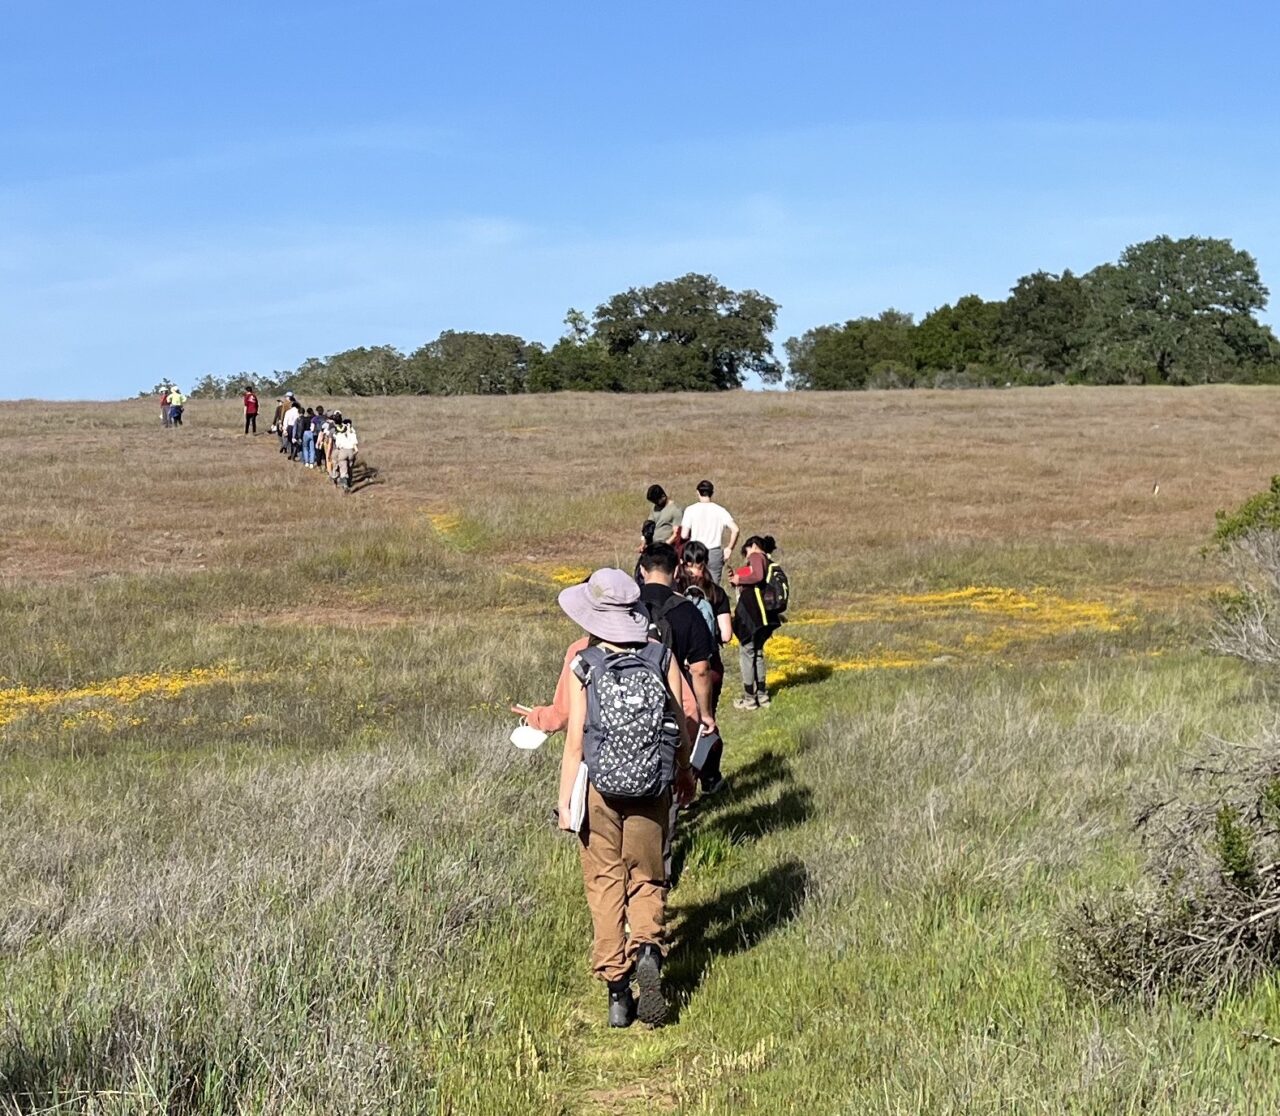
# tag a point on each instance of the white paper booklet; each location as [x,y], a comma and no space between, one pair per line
[578,800]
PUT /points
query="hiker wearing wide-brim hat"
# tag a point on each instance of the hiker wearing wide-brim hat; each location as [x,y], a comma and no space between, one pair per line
[608,607]
[626,726]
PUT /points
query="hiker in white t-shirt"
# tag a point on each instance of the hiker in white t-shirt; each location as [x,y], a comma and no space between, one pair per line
[706,522]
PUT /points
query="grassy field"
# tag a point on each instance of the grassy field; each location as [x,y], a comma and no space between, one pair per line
[267,849]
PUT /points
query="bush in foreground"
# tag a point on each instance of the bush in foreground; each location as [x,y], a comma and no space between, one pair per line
[1207,919]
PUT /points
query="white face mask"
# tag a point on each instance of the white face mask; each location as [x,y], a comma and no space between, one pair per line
[527,737]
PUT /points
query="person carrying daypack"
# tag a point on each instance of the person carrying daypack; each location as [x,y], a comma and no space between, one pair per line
[694,583]
[625,724]
[763,595]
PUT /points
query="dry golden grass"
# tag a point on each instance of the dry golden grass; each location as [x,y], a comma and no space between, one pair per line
[558,480]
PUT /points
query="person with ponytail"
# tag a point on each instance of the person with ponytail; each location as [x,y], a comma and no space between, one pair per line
[753,622]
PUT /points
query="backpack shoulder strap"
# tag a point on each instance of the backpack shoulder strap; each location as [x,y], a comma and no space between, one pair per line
[586,662]
[658,656]
[660,612]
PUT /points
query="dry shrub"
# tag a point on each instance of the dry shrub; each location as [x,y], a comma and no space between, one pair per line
[1206,919]
[1247,625]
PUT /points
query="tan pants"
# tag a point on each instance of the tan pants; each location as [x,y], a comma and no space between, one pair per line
[346,459]
[624,876]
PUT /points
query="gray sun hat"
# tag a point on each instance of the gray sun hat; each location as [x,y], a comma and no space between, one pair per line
[607,606]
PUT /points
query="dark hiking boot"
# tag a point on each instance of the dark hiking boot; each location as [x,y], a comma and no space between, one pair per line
[622,1005]
[715,786]
[652,1008]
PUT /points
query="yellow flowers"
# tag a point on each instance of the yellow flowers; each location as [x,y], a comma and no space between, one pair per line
[956,623]
[19,700]
[792,659]
[569,575]
[446,523]
[541,573]
[1040,607]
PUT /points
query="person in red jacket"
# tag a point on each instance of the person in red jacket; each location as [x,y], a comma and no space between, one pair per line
[250,410]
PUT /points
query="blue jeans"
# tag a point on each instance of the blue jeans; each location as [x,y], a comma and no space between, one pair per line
[308,447]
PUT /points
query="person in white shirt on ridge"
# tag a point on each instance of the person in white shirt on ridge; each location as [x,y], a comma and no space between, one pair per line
[706,522]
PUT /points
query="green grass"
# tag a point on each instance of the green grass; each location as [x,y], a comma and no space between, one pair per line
[325,882]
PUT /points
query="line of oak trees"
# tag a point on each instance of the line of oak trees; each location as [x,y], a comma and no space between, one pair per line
[1168,311]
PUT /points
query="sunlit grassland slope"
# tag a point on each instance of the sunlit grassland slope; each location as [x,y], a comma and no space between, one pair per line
[267,848]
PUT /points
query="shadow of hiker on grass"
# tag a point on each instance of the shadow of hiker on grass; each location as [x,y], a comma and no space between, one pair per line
[364,476]
[732,922]
[716,825]
[806,675]
[763,771]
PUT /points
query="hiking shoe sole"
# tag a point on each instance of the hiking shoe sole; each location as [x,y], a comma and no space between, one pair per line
[652,1005]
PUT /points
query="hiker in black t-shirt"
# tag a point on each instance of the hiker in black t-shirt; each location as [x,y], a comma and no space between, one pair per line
[678,623]
[695,584]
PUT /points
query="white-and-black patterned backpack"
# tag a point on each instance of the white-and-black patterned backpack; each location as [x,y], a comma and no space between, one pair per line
[629,742]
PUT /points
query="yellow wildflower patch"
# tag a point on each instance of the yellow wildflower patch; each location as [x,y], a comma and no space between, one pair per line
[560,575]
[569,575]
[1041,607]
[19,700]
[792,660]
[446,523]
[941,626]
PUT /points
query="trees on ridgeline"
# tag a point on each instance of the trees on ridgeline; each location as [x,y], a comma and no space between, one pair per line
[1168,311]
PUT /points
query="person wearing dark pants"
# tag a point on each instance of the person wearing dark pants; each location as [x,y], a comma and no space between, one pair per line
[250,411]
[694,581]
[753,623]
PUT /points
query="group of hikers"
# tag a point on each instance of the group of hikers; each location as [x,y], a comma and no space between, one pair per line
[637,699]
[317,440]
[172,402]
[308,435]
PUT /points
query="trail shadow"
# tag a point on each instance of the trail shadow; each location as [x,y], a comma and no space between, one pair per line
[364,476]
[728,821]
[763,771]
[732,922]
[805,676]
[749,823]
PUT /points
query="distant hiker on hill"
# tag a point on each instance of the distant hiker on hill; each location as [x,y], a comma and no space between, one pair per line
[706,522]
[165,419]
[327,429]
[665,518]
[755,618]
[307,425]
[176,402]
[317,426]
[286,427]
[250,401]
[346,445]
[624,723]
[295,435]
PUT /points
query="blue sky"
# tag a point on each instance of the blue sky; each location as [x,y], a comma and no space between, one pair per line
[232,187]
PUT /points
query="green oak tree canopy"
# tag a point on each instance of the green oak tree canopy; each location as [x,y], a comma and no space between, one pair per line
[689,334]
[1170,311]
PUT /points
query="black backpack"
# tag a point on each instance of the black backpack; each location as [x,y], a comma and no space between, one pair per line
[660,622]
[776,590]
